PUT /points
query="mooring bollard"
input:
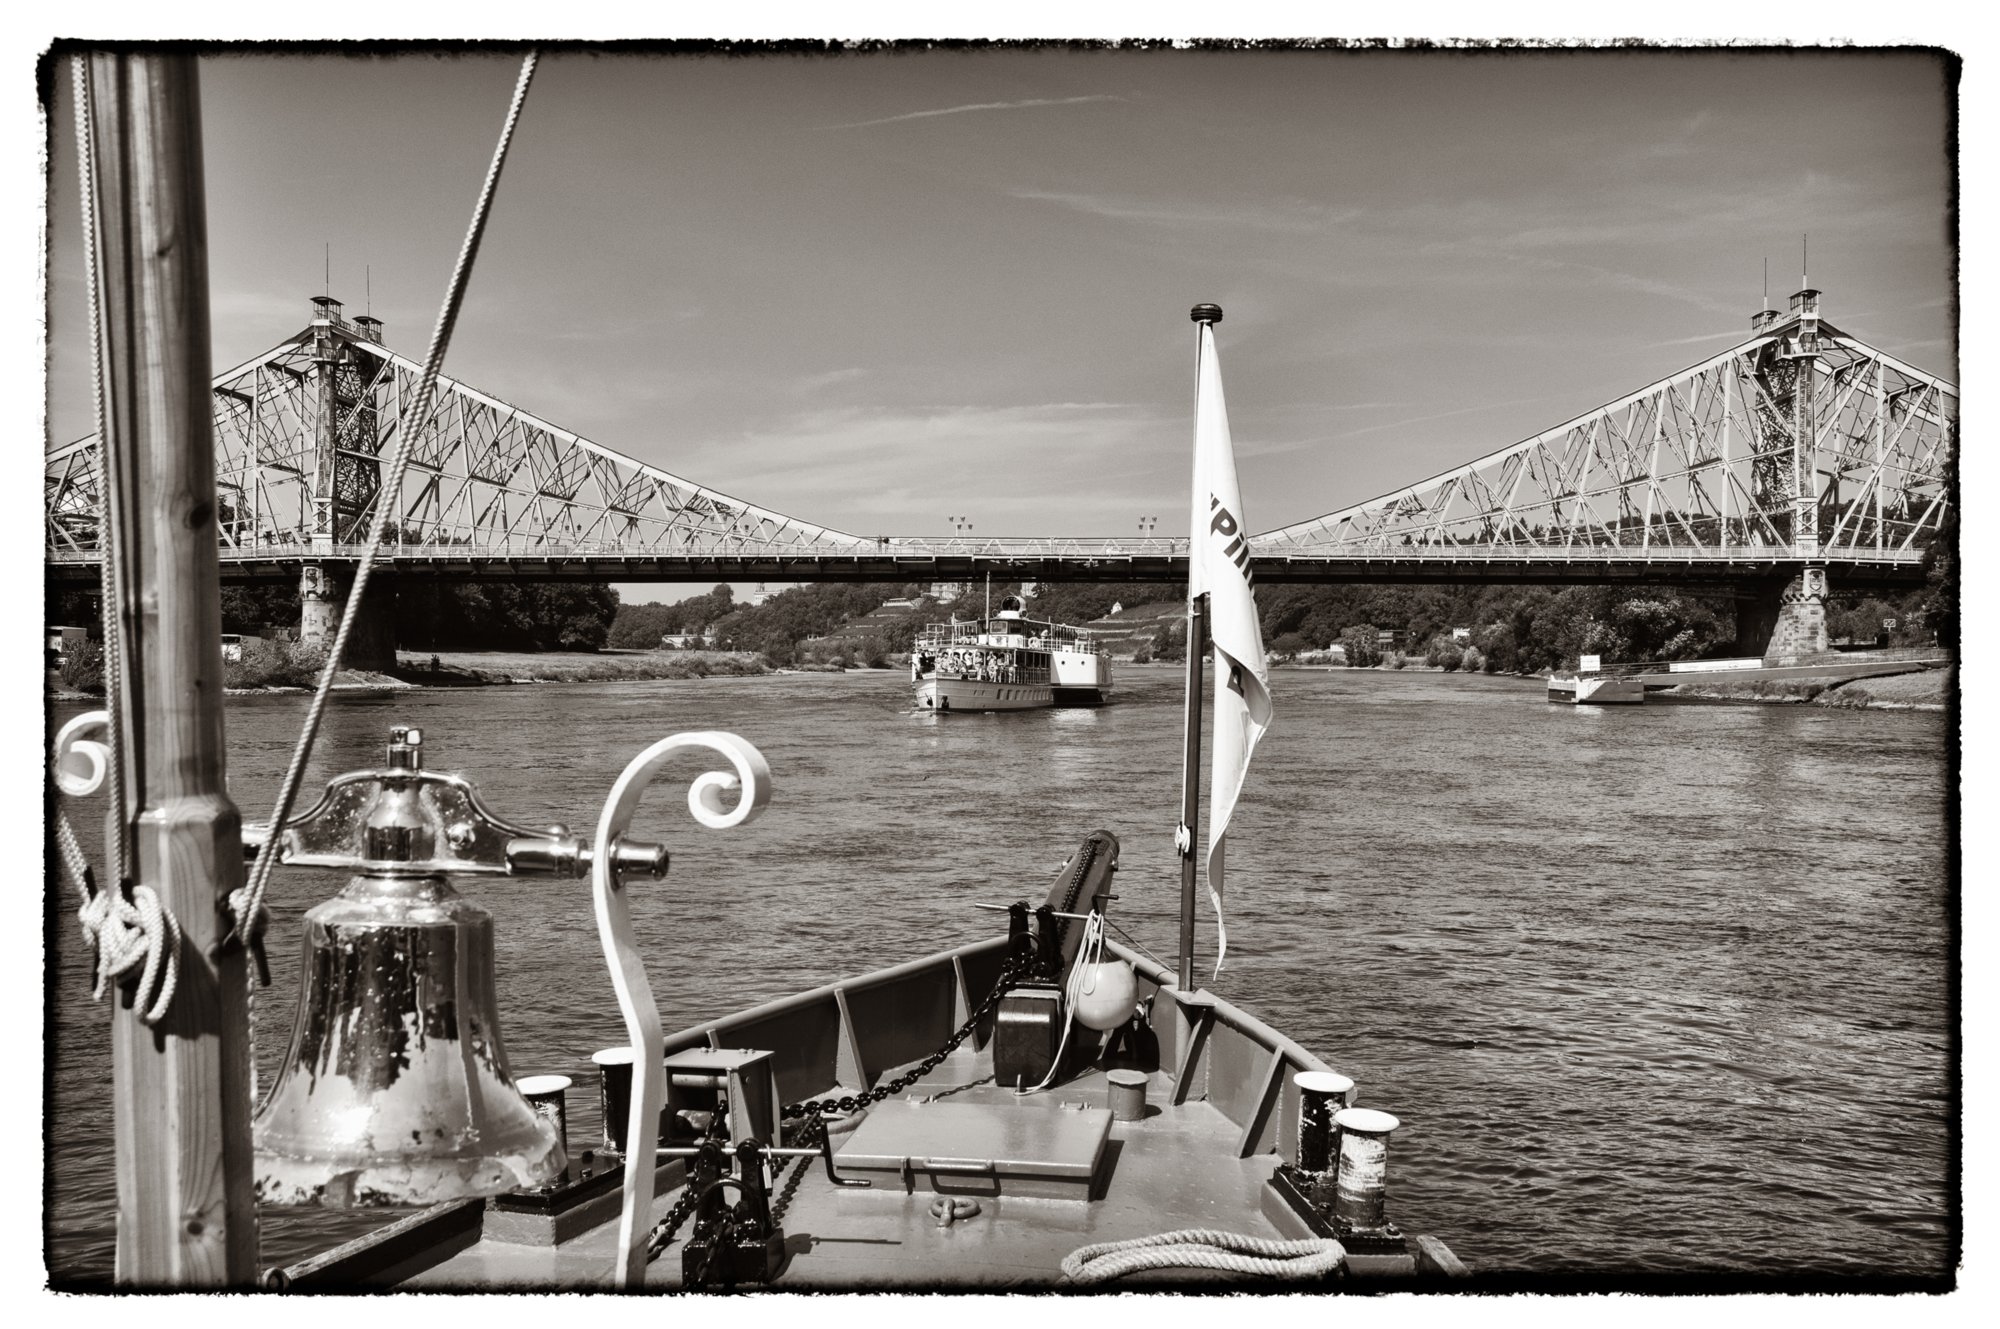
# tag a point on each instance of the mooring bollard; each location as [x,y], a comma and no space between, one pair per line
[1322,1096]
[545,1094]
[1363,1182]
[1127,1094]
[614,1079]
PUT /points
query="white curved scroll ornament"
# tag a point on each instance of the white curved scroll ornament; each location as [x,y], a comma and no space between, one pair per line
[707,796]
[80,763]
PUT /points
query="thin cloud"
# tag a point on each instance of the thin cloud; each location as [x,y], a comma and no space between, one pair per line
[863,470]
[815,382]
[980,106]
[1296,216]
[1602,275]
[1441,415]
[1737,334]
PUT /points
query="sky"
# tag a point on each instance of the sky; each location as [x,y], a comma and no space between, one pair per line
[881,290]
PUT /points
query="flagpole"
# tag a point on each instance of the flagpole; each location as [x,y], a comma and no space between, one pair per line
[1191,782]
[1204,316]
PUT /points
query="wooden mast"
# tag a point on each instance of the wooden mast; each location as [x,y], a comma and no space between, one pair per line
[186,1208]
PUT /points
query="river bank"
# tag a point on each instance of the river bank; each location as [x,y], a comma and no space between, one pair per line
[478,669]
[1925,690]
[486,668]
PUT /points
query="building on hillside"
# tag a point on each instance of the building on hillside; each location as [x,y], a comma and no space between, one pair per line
[233,644]
[686,641]
[760,595]
[899,603]
[1391,639]
[1461,634]
[945,592]
[63,641]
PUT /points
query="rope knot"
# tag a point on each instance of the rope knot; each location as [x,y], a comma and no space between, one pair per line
[248,921]
[133,935]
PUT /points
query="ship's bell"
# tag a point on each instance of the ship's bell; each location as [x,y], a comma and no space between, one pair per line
[396,1088]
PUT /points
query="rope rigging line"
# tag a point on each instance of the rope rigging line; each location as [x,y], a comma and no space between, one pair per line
[1204,1248]
[112,573]
[1143,948]
[249,917]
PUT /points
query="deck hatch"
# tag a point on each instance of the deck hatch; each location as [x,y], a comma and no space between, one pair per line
[979,1148]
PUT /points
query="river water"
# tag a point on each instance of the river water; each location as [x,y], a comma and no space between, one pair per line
[1653,990]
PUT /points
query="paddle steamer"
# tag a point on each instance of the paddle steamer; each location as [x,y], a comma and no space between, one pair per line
[1008,662]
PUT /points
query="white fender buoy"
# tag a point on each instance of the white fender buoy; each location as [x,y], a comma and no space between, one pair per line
[1108,995]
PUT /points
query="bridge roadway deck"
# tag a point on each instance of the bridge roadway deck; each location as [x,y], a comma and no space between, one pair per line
[1547,567]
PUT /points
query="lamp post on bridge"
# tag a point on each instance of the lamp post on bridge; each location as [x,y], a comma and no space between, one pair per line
[959,526]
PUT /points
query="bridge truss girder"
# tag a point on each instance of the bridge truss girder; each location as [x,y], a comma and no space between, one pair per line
[1732,458]
[485,479]
[1724,467]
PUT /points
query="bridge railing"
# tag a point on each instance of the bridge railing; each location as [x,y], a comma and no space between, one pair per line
[1584,553]
[920,549]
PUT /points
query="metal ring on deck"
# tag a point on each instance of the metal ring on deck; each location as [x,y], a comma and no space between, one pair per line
[949,1209]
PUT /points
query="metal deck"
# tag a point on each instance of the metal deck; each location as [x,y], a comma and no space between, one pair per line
[1221,1117]
[1175,1168]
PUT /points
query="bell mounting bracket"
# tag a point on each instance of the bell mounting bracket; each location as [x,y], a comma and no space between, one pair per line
[405,820]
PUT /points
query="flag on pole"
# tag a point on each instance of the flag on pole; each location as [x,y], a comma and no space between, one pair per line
[1219,563]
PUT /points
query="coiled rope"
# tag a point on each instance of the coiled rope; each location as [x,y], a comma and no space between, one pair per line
[248,916]
[1083,975]
[1205,1248]
[135,935]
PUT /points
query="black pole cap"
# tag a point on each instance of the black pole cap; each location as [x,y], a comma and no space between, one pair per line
[1206,313]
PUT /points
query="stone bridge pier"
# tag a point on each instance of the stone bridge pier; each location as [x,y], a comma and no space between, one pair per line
[1786,617]
[322,598]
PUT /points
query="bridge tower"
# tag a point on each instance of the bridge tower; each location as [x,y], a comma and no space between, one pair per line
[1789,617]
[347,474]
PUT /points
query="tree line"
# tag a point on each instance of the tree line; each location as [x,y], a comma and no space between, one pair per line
[430,616]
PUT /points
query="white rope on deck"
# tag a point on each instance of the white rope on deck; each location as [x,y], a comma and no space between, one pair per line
[1204,1248]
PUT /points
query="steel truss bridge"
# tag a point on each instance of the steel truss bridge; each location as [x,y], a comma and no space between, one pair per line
[1800,446]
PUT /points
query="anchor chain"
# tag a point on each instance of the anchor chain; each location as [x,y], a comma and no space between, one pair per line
[1010,973]
[667,1228]
[813,1134]
[702,1170]
[664,1232]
